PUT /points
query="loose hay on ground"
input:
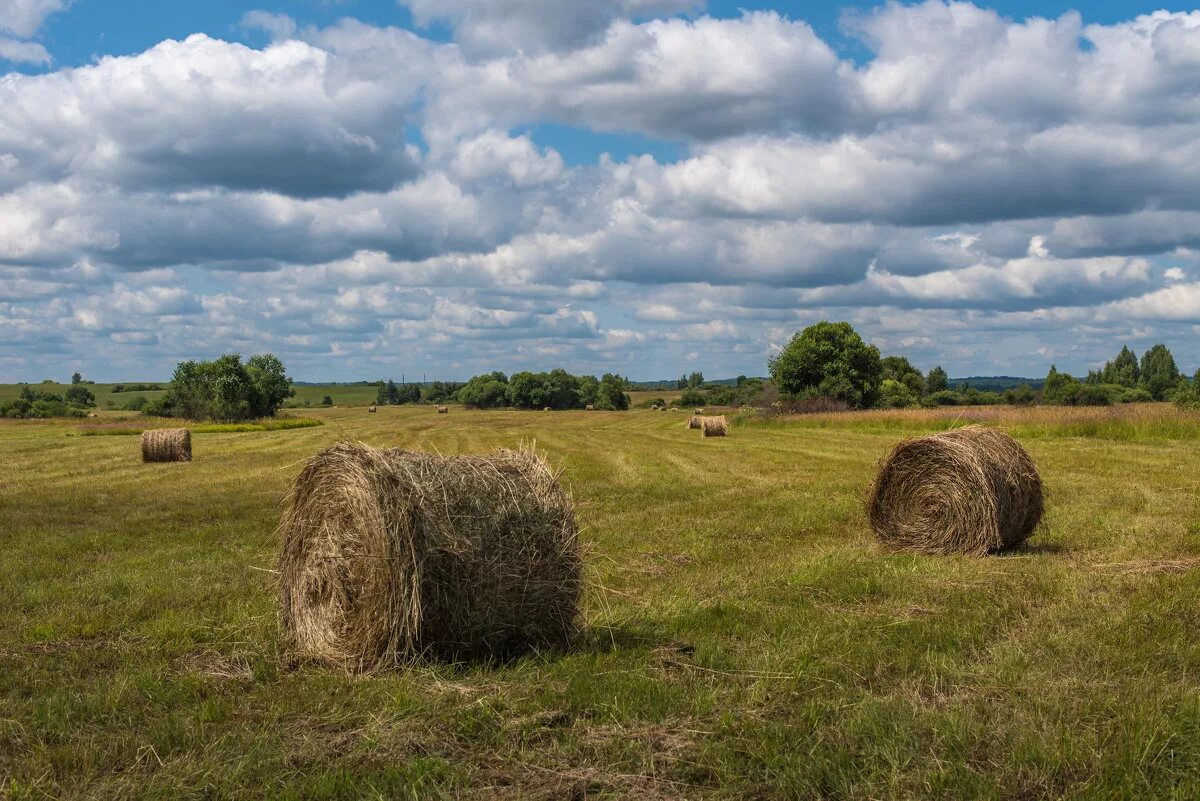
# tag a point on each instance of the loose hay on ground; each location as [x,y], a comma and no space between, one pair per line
[973,490]
[167,445]
[388,555]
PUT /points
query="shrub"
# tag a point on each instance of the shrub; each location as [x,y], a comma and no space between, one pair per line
[692,397]
[137,403]
[894,394]
[1135,395]
[327,400]
[79,395]
[945,397]
[1020,396]
[1093,395]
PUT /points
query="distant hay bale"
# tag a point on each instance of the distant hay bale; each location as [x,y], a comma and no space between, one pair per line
[694,423]
[714,426]
[443,410]
[389,555]
[589,408]
[167,445]
[372,409]
[699,412]
[973,490]
[547,409]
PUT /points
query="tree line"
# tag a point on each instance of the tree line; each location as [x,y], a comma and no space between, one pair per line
[830,360]
[556,389]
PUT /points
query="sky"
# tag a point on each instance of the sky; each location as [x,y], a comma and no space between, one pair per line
[371,188]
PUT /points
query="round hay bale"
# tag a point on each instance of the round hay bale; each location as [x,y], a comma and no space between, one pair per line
[589,408]
[714,426]
[371,409]
[973,491]
[388,555]
[547,409]
[443,410]
[693,423]
[167,445]
[699,412]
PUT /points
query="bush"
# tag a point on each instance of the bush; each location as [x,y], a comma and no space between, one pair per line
[945,397]
[1020,396]
[1093,395]
[79,395]
[1135,395]
[693,397]
[327,400]
[137,403]
[894,394]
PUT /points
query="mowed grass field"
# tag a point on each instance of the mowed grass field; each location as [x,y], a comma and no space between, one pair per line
[746,638]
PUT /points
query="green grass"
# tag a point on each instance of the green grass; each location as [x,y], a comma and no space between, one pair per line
[746,638]
[125,428]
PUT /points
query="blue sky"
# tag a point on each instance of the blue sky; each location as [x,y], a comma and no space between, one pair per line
[371,187]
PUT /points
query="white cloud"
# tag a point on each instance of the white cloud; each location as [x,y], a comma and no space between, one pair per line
[23,17]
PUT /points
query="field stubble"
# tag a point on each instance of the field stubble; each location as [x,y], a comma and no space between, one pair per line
[745,635]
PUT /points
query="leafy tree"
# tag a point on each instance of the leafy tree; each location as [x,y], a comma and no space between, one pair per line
[611,393]
[1122,370]
[831,360]
[225,389]
[485,391]
[327,400]
[741,379]
[1158,373]
[695,380]
[898,368]
[937,381]
[895,394]
[588,388]
[76,379]
[441,391]
[80,396]
[1060,388]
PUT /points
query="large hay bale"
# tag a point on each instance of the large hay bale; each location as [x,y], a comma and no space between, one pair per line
[714,426]
[167,445]
[973,490]
[443,410]
[694,423]
[388,555]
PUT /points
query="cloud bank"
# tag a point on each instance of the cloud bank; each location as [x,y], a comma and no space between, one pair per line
[981,192]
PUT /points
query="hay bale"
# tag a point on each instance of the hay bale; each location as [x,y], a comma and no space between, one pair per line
[699,412]
[443,410]
[547,409]
[167,445]
[714,426]
[388,555]
[589,408]
[973,491]
[371,409]
[694,423]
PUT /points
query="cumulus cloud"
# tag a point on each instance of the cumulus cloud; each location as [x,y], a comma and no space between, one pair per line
[23,17]
[488,27]
[362,198]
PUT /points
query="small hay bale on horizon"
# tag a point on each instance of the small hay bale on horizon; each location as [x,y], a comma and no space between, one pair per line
[547,409]
[714,426]
[699,412]
[167,445]
[443,410]
[589,408]
[371,409]
[972,490]
[388,556]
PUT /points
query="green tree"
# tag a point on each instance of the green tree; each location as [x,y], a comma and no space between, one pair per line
[485,391]
[327,400]
[587,390]
[895,394]
[1060,388]
[1020,396]
[898,368]
[831,360]
[76,379]
[1158,373]
[225,389]
[271,384]
[1122,370]
[937,381]
[695,380]
[610,394]
[79,395]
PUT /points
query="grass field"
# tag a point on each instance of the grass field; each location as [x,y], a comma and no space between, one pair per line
[746,638]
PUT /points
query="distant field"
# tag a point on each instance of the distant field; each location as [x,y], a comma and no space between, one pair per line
[103,392]
[746,638]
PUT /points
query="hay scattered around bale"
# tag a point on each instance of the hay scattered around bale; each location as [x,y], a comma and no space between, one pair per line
[167,445]
[714,426]
[389,555]
[694,423]
[973,491]
[443,410]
